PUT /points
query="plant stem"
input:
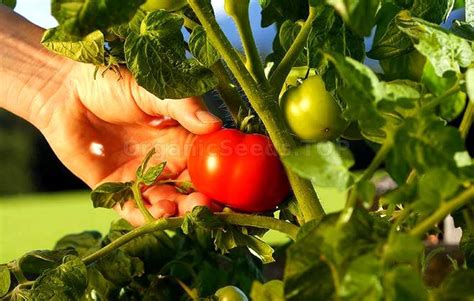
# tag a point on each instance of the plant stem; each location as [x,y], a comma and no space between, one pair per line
[265,104]
[161,224]
[251,220]
[137,195]
[228,90]
[253,62]
[447,207]
[438,100]
[283,69]
[467,119]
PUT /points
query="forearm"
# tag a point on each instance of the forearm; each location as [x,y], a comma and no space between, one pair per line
[29,73]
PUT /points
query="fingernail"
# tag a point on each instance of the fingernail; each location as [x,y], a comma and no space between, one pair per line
[206,117]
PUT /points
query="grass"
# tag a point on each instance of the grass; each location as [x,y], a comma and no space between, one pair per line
[34,222]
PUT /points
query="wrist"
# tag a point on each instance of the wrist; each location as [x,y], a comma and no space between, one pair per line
[31,75]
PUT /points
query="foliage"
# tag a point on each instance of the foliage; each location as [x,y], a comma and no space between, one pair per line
[359,253]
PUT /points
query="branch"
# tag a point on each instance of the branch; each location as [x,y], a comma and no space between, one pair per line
[283,69]
[265,104]
[137,196]
[467,119]
[446,208]
[161,224]
[438,100]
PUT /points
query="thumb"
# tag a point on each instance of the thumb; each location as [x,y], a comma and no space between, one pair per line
[189,112]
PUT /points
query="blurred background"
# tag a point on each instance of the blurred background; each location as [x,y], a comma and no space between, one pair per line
[40,200]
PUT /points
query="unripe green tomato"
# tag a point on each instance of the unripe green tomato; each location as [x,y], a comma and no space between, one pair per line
[352,132]
[169,5]
[312,113]
[230,293]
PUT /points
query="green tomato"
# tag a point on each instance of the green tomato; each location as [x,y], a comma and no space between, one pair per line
[292,78]
[230,293]
[311,112]
[169,5]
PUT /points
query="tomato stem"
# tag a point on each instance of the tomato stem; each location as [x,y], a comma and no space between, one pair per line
[467,119]
[257,221]
[438,100]
[443,210]
[283,69]
[265,103]
[137,195]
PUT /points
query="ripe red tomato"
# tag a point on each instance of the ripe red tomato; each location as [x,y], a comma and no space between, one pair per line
[241,171]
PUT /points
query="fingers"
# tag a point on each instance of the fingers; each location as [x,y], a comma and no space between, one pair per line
[189,112]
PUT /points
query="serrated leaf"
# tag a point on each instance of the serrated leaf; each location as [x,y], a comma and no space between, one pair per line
[120,268]
[326,164]
[153,173]
[200,217]
[404,283]
[34,263]
[108,195]
[270,291]
[201,47]
[467,246]
[68,281]
[87,49]
[446,51]
[83,243]
[5,280]
[361,281]
[156,57]
[359,14]
[143,166]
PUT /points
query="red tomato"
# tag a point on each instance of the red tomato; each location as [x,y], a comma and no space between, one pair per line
[241,171]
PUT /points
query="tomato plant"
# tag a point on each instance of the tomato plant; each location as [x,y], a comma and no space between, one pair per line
[311,112]
[399,78]
[231,167]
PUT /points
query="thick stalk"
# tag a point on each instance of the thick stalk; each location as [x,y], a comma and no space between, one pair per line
[283,69]
[467,119]
[446,208]
[265,104]
[161,224]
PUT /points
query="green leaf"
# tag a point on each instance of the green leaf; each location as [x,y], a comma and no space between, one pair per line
[264,3]
[293,10]
[470,84]
[463,29]
[201,47]
[446,51]
[365,191]
[403,248]
[120,268]
[359,14]
[406,66]
[122,30]
[107,195]
[34,263]
[87,49]
[156,57]
[153,173]
[404,283]
[68,281]
[143,166]
[5,280]
[287,35]
[83,243]
[200,217]
[467,246]
[361,281]
[270,291]
[99,288]
[326,164]
[11,4]
[457,286]
[81,17]
[426,141]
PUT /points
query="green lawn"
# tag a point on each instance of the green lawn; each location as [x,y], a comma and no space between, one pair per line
[29,222]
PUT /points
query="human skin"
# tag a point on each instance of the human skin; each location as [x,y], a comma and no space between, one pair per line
[101,128]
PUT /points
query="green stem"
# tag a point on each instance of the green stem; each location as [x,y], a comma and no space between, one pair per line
[265,104]
[283,69]
[467,119]
[253,62]
[438,100]
[137,195]
[161,224]
[228,91]
[446,208]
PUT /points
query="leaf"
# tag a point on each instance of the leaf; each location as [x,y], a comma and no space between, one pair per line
[87,49]
[270,291]
[264,3]
[34,263]
[404,283]
[156,58]
[457,286]
[403,248]
[365,191]
[470,84]
[122,30]
[406,66]
[277,11]
[11,4]
[361,281]
[107,195]
[200,217]
[143,166]
[359,14]
[5,280]
[324,163]
[153,173]
[446,51]
[426,141]
[68,281]
[83,243]
[463,29]
[99,288]
[120,268]
[467,246]
[81,17]
[287,35]
[201,47]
